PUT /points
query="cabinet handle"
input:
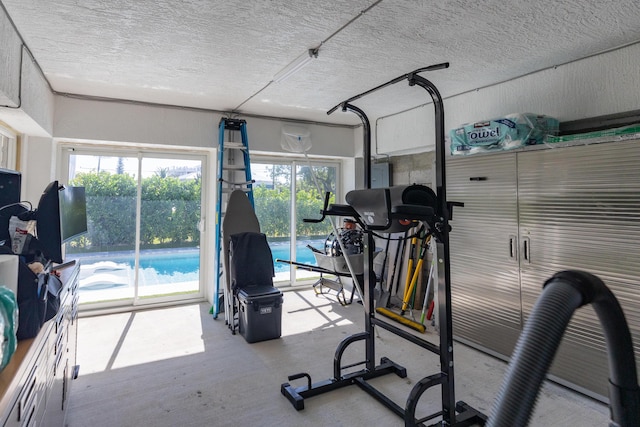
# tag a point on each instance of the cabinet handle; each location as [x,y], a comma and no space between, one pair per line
[26,403]
[526,249]
[478,178]
[513,247]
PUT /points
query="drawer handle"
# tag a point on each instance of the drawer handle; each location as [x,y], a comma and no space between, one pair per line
[27,400]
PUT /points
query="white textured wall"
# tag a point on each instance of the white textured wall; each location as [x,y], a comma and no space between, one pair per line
[121,122]
[38,170]
[37,99]
[9,63]
[24,94]
[595,86]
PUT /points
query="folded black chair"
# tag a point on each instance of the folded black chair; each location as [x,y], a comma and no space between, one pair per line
[256,301]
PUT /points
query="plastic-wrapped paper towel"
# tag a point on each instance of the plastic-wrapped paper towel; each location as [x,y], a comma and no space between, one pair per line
[503,133]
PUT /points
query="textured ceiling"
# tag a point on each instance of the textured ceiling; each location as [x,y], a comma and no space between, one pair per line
[222,55]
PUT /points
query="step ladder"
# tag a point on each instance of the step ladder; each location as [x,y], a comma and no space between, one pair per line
[234,172]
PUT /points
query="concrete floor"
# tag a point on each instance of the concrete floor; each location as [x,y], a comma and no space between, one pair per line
[178,366]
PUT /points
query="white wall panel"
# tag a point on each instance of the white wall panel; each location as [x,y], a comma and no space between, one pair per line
[10,63]
[599,85]
[24,93]
[146,124]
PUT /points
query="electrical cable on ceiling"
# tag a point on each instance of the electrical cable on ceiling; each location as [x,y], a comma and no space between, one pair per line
[25,47]
[338,31]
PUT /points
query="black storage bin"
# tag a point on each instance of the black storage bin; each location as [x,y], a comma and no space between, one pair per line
[260,313]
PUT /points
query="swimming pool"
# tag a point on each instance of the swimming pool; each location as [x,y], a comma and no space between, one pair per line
[280,250]
[183,264]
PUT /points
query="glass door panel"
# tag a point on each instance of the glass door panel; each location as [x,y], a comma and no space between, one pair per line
[143,240]
[312,182]
[282,215]
[107,251]
[170,205]
[272,196]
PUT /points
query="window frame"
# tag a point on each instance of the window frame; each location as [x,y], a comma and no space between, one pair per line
[294,163]
[8,148]
[65,149]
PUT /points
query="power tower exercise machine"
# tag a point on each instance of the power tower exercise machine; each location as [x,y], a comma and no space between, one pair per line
[380,210]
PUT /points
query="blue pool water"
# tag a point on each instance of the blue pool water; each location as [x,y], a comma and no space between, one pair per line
[187,261]
[303,254]
[168,263]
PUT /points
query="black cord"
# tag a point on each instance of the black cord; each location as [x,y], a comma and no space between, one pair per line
[411,236]
[16,204]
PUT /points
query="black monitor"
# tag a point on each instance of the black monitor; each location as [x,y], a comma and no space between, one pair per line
[73,213]
[48,223]
[61,216]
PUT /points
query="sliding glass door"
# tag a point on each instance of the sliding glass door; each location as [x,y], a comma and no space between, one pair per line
[285,193]
[272,198]
[170,212]
[143,215]
[312,184]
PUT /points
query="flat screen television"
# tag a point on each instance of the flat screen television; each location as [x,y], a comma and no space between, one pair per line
[73,213]
[60,217]
[48,223]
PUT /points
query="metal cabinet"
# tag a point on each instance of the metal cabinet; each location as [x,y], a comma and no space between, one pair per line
[485,288]
[576,207]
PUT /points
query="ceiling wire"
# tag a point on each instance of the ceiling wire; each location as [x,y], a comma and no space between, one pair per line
[351,21]
[338,31]
[25,47]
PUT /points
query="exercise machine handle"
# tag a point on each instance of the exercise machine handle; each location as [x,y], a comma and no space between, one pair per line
[333,210]
[327,195]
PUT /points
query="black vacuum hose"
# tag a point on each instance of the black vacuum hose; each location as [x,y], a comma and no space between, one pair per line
[537,345]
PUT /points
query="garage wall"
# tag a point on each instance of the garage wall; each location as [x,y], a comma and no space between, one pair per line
[87,119]
[25,98]
[600,85]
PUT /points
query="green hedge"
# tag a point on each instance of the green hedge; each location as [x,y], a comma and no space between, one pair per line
[273,208]
[171,212]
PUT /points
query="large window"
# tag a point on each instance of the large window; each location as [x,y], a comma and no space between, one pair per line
[143,215]
[7,149]
[285,193]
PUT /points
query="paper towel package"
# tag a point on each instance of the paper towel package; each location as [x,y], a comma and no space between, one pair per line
[504,133]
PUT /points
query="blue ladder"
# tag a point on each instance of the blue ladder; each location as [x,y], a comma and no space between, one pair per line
[234,172]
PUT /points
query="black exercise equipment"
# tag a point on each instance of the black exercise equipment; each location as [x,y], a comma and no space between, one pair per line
[335,285]
[562,295]
[396,214]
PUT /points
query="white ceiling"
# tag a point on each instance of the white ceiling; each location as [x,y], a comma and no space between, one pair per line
[222,55]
